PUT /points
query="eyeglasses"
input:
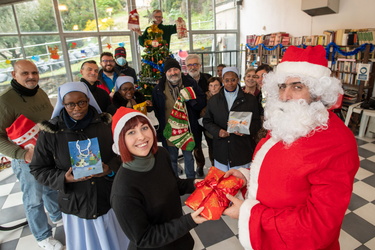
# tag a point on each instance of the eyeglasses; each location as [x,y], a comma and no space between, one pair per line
[193,64]
[230,80]
[72,105]
[108,61]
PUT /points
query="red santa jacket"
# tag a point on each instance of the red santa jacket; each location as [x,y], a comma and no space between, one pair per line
[298,194]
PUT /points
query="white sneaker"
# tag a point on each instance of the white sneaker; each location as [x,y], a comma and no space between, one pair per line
[57,222]
[51,244]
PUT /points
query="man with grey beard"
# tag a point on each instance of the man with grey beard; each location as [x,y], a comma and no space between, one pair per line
[194,65]
[164,96]
[301,178]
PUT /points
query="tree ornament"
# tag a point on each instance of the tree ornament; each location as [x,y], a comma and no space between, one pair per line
[155,43]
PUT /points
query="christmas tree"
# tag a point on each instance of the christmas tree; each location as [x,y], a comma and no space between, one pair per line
[155,52]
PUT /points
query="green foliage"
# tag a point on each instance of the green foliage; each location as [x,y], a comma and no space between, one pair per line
[103,5]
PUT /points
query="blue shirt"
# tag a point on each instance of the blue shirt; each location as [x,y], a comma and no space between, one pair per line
[109,82]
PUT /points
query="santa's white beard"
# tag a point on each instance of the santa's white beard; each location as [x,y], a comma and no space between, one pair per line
[293,119]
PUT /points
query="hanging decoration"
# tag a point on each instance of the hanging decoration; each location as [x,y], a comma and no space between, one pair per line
[334,48]
[181,28]
[109,46]
[7,61]
[54,52]
[133,22]
[73,45]
[35,58]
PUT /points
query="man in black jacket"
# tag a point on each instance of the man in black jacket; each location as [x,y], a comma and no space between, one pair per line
[194,65]
[231,150]
[89,72]
[164,96]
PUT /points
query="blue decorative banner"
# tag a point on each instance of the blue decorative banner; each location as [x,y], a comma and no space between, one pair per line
[337,49]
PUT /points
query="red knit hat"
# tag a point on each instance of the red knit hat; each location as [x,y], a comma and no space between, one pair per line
[310,62]
[120,51]
[119,119]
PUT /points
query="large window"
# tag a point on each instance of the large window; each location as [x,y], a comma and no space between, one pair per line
[58,35]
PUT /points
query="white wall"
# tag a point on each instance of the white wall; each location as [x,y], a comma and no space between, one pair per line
[286,15]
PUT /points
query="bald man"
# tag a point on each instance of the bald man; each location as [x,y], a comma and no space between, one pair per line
[24,97]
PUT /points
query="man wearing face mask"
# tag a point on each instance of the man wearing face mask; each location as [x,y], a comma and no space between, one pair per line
[122,65]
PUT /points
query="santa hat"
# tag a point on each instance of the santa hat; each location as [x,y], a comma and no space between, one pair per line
[120,51]
[119,119]
[23,132]
[308,62]
[123,79]
[230,69]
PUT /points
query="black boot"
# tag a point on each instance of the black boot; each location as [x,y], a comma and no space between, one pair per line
[200,171]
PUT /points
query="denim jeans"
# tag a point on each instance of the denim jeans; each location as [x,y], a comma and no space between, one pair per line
[225,168]
[188,160]
[35,197]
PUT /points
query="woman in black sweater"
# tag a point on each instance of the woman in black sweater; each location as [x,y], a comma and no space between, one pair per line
[146,193]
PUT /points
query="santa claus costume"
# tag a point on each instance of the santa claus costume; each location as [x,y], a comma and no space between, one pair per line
[299,189]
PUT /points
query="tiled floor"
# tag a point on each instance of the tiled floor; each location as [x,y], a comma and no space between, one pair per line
[358,230]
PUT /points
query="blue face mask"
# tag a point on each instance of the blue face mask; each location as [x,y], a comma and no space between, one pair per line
[121,61]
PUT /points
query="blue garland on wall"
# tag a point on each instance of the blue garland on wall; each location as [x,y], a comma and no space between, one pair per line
[335,49]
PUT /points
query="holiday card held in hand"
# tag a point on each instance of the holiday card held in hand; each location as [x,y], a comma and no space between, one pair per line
[239,122]
[85,157]
[23,132]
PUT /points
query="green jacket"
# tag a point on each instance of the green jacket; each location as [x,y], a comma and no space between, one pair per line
[167,29]
[37,108]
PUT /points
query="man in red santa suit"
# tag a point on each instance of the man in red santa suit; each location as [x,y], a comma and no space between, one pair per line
[301,179]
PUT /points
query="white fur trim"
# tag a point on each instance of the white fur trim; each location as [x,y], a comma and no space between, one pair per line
[244,223]
[303,68]
[252,185]
[252,189]
[120,124]
[246,173]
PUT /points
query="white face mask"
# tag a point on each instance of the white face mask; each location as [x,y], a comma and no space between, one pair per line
[121,61]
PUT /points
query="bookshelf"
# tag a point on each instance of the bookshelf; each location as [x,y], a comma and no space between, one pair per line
[345,69]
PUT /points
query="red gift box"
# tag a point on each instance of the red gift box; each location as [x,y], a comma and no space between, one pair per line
[23,132]
[210,193]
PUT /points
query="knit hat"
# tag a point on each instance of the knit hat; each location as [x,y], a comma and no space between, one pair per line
[309,62]
[120,51]
[171,63]
[230,69]
[72,87]
[123,79]
[177,129]
[119,119]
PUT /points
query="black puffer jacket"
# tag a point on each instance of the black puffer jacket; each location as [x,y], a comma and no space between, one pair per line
[86,199]
[235,149]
